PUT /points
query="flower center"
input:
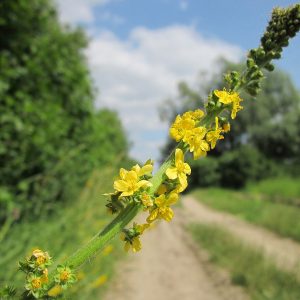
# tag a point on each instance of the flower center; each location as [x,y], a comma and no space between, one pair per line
[64,275]
[36,283]
[40,260]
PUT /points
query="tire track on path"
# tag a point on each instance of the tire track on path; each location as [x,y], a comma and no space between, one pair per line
[283,251]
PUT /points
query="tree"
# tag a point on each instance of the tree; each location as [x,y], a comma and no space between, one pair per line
[51,136]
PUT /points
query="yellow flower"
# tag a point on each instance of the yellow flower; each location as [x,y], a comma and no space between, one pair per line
[224,96]
[163,210]
[99,281]
[140,228]
[64,275]
[55,291]
[145,170]
[198,114]
[180,170]
[236,106]
[44,277]
[129,183]
[181,127]
[226,127]
[40,256]
[146,200]
[197,144]
[230,98]
[107,250]
[162,189]
[135,244]
[214,135]
[195,115]
[36,283]
[39,259]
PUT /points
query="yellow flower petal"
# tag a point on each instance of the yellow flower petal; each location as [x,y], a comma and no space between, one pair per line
[159,201]
[121,185]
[178,156]
[131,176]
[143,183]
[152,216]
[146,170]
[123,173]
[181,187]
[172,199]
[136,244]
[187,169]
[172,173]
[127,246]
[182,178]
[168,214]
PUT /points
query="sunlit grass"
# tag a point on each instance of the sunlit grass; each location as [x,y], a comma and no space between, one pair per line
[247,267]
[280,218]
[282,189]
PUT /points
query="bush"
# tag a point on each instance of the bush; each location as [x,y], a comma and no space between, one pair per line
[205,172]
[242,165]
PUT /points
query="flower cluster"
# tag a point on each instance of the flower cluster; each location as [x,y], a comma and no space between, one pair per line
[35,267]
[198,134]
[158,203]
[230,98]
[64,276]
[192,127]
[130,186]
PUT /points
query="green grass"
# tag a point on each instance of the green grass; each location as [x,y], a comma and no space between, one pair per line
[284,190]
[247,267]
[280,218]
[62,234]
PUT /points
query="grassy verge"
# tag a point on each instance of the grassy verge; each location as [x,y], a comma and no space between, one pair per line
[283,190]
[280,218]
[62,234]
[247,267]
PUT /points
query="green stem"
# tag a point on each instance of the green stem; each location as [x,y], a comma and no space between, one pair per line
[99,241]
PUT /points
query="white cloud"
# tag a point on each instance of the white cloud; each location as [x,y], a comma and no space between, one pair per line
[136,74]
[79,11]
[107,16]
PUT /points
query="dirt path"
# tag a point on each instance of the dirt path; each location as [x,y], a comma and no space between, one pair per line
[285,252]
[170,266]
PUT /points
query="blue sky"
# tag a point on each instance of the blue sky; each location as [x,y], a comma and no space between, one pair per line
[140,49]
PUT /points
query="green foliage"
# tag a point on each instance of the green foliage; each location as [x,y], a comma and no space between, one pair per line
[205,172]
[278,217]
[232,169]
[61,235]
[51,138]
[284,190]
[239,166]
[247,267]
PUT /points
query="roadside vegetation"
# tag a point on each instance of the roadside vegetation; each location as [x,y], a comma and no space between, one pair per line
[64,232]
[247,267]
[285,190]
[256,204]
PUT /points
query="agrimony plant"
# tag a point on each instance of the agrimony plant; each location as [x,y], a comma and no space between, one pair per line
[138,189]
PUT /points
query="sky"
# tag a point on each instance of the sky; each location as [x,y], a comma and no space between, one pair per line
[139,50]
